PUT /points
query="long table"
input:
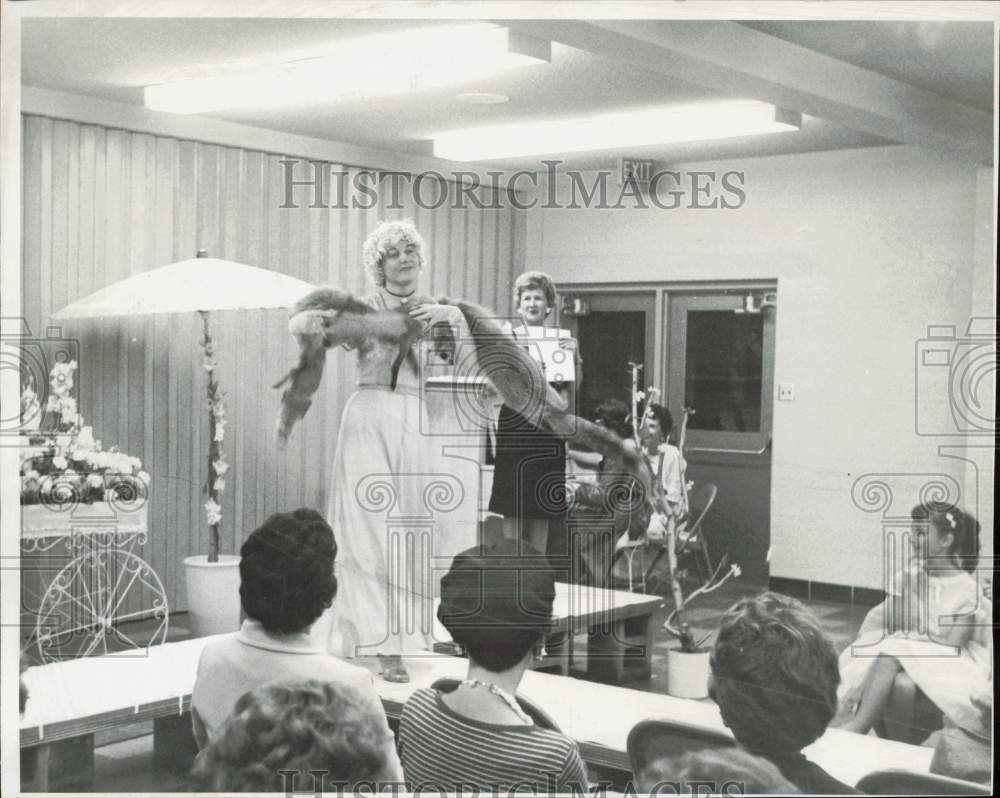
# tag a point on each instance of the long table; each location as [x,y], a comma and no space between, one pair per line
[76,698]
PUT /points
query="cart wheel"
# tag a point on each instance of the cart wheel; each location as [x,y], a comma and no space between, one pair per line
[85,606]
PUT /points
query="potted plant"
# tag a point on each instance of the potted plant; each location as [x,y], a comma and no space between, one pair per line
[213,580]
[688,660]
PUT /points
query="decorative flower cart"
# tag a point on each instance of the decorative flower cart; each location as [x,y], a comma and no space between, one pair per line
[83,518]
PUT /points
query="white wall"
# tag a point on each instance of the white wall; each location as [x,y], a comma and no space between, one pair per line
[868,247]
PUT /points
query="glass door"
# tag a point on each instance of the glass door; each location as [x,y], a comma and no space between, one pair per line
[720,363]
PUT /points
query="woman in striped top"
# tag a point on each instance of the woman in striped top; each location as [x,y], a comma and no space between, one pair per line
[496,602]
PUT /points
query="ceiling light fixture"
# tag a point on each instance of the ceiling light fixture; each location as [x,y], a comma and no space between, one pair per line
[694,122]
[371,66]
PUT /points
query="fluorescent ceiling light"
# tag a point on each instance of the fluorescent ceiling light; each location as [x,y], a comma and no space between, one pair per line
[371,66]
[695,122]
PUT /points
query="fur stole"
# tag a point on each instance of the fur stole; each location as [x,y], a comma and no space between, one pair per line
[328,317]
[519,380]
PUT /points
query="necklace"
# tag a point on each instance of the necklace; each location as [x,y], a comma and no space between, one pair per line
[403,298]
[504,696]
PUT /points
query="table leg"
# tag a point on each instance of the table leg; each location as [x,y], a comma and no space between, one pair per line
[606,653]
[35,768]
[64,765]
[621,650]
[174,747]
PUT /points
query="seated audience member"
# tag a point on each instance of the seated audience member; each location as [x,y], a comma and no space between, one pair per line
[774,676]
[613,415]
[716,772]
[934,627]
[496,602]
[280,732]
[610,510]
[286,581]
[667,461]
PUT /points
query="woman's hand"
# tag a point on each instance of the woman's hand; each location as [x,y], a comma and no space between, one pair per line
[569,344]
[432,313]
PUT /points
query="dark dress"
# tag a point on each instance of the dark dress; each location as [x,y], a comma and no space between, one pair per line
[529,474]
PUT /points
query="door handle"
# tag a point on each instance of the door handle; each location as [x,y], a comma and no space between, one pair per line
[760,451]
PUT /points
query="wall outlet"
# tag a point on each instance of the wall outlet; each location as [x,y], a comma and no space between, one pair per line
[786,392]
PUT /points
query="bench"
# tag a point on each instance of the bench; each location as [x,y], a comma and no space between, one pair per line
[70,701]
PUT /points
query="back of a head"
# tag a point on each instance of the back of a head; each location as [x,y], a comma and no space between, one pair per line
[286,571]
[730,771]
[774,674]
[284,730]
[496,602]
[614,415]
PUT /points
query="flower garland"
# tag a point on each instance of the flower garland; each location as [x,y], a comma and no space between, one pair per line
[215,482]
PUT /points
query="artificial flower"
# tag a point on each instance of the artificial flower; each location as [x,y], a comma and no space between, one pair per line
[60,462]
[220,466]
[85,437]
[219,485]
[213,512]
[95,481]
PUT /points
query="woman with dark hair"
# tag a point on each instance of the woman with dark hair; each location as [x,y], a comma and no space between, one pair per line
[286,582]
[774,676]
[291,737]
[934,626]
[496,602]
[664,456]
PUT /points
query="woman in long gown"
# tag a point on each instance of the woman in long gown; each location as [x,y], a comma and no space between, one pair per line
[396,514]
[935,625]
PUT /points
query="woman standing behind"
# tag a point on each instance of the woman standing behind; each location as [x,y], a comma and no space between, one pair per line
[529,474]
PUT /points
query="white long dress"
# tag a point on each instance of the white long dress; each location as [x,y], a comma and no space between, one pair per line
[400,511]
[958,681]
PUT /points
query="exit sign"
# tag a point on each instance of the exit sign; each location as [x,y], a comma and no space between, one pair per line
[635,169]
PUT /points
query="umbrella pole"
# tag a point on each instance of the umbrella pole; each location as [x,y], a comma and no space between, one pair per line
[212,386]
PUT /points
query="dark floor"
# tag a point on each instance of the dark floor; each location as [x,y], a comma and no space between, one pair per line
[123,757]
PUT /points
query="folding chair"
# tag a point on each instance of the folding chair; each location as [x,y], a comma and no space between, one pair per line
[903,782]
[542,719]
[692,539]
[654,738]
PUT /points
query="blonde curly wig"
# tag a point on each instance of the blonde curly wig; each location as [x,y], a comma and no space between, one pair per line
[385,235]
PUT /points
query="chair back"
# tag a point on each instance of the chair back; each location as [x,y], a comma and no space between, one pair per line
[700,502]
[905,782]
[654,738]
[539,716]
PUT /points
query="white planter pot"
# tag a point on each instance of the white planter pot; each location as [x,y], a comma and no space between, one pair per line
[213,593]
[687,674]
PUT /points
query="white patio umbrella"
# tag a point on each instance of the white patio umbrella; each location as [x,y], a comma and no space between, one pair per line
[199,284]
